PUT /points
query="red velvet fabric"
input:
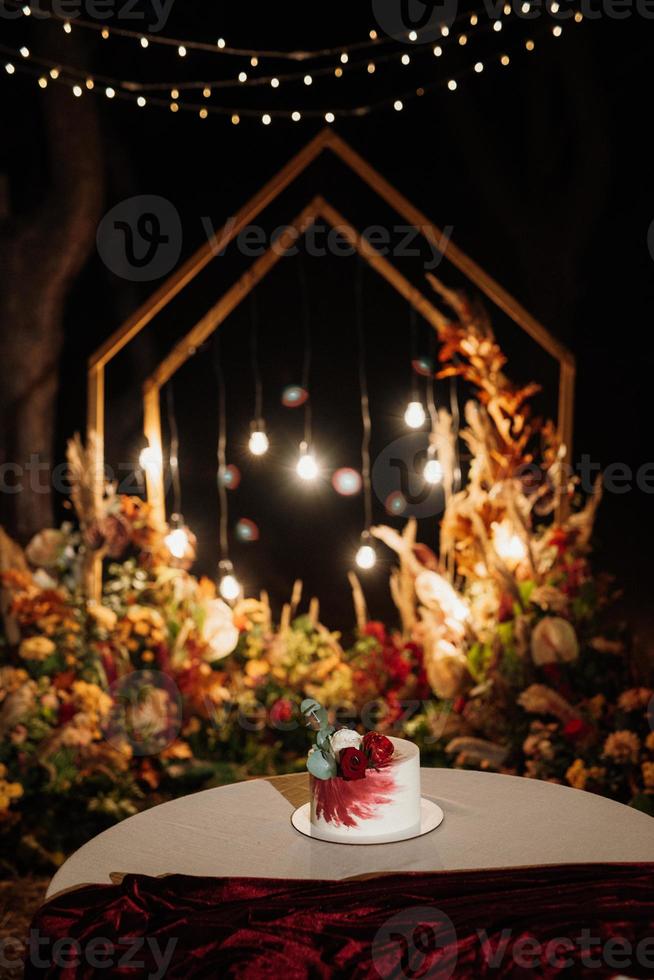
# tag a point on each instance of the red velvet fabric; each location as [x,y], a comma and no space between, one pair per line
[563,921]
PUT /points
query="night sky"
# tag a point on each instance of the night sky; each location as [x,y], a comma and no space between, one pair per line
[543,171]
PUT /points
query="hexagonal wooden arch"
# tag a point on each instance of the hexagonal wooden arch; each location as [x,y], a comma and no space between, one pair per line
[317,208]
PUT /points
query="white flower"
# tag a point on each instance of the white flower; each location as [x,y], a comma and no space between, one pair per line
[436,593]
[45,548]
[344,738]
[219,632]
[554,641]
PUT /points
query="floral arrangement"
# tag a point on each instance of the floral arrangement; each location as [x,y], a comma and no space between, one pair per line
[342,752]
[504,656]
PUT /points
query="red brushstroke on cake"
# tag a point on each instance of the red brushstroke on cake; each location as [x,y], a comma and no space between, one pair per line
[344,802]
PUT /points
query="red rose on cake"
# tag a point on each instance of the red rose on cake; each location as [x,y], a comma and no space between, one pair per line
[378,748]
[352,763]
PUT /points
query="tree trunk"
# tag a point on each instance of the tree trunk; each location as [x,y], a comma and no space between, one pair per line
[41,253]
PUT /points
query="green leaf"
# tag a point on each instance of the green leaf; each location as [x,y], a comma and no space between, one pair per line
[322,738]
[309,704]
[320,766]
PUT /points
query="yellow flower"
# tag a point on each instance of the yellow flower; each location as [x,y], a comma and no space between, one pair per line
[256,668]
[635,699]
[596,706]
[648,775]
[3,770]
[36,648]
[622,746]
[577,774]
[9,792]
[104,617]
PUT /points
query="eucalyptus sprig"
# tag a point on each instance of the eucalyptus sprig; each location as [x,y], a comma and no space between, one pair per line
[321,762]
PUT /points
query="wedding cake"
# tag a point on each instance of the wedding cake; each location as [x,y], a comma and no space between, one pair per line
[364,789]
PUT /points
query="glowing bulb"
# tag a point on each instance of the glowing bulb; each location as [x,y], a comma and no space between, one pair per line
[105,34]
[54,73]
[463,39]
[530,45]
[338,72]
[140,101]
[474,20]
[177,542]
[9,68]
[235,120]
[308,80]
[366,557]
[174,107]
[67,27]
[398,106]
[445,31]
[479,67]
[296,116]
[329,117]
[230,587]
[307,467]
[452,85]
[258,444]
[90,84]
[406,59]
[221,42]
[26,11]
[509,545]
[203,113]
[174,93]
[274,82]
[150,460]
[344,58]
[242,76]
[557,31]
[43,82]
[144,42]
[25,52]
[110,92]
[266,120]
[77,91]
[254,61]
[206,93]
[373,35]
[413,35]
[414,415]
[505,60]
[181,51]
[433,471]
[371,68]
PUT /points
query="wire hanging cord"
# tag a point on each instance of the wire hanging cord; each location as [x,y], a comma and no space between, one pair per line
[221,449]
[365,403]
[174,450]
[254,359]
[306,361]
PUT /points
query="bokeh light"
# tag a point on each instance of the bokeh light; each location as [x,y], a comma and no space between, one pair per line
[293,396]
[347,481]
[247,530]
[395,503]
[231,477]
[424,366]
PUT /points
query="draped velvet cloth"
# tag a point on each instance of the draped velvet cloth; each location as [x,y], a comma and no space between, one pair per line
[556,921]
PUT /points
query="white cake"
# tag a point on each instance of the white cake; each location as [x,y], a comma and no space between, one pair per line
[382,806]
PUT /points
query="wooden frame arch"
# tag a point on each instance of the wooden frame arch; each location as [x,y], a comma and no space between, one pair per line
[327,139]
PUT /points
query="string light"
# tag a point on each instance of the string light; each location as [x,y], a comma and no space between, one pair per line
[406,60]
[307,466]
[308,80]
[557,31]
[43,82]
[110,92]
[497,26]
[479,67]
[221,43]
[366,556]
[254,61]
[181,51]
[25,52]
[67,27]
[54,73]
[371,68]
[463,40]
[296,116]
[26,10]
[398,105]
[445,30]
[77,91]
[274,82]
[505,60]
[242,76]
[433,472]
[530,45]
[452,85]
[266,119]
[178,539]
[338,72]
[329,117]
[474,20]
[104,34]
[345,58]
[9,68]
[414,415]
[174,94]
[413,35]
[144,42]
[235,119]
[228,585]
[90,84]
[206,93]
[203,114]
[438,50]
[141,102]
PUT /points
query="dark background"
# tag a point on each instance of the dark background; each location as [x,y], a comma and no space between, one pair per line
[542,169]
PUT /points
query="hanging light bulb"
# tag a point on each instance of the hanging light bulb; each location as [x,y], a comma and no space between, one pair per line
[414,415]
[433,472]
[366,556]
[177,540]
[307,467]
[258,443]
[228,585]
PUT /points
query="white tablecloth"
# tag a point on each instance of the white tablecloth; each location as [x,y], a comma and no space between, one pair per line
[491,821]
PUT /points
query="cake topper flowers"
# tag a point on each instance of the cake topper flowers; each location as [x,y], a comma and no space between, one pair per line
[342,752]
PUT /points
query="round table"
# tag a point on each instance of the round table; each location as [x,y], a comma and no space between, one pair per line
[244,830]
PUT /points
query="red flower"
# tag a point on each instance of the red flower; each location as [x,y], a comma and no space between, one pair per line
[375,629]
[577,728]
[352,763]
[281,711]
[378,748]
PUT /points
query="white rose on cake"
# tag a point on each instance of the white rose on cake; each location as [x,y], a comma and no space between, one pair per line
[345,738]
